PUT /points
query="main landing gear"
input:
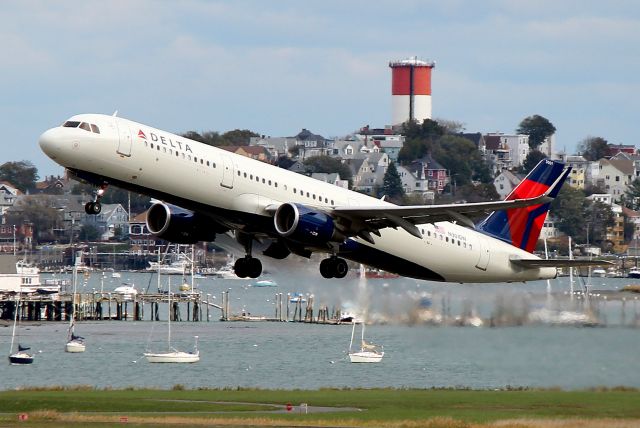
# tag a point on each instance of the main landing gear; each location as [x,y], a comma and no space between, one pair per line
[247,266]
[94,207]
[334,267]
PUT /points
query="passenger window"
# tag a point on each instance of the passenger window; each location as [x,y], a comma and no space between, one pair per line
[202,162]
[85,126]
[95,128]
[245,175]
[177,154]
[276,184]
[239,174]
[152,145]
[314,197]
[195,159]
[269,182]
[207,163]
[214,164]
[164,149]
[250,176]
[294,190]
[332,202]
[158,147]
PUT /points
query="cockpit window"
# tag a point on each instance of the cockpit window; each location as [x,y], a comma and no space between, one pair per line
[82,125]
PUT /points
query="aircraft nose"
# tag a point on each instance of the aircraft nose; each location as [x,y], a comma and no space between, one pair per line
[49,142]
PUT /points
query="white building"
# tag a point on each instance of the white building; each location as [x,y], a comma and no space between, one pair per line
[518,145]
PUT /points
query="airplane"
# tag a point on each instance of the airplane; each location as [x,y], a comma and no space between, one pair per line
[203,191]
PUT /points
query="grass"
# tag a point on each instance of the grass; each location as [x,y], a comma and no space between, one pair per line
[450,408]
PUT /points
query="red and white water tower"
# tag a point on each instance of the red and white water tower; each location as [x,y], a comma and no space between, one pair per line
[411,90]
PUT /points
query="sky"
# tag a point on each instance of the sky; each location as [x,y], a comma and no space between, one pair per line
[275,67]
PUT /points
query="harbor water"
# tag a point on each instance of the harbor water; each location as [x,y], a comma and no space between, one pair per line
[290,355]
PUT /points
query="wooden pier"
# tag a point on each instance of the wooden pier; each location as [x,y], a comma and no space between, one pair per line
[106,306]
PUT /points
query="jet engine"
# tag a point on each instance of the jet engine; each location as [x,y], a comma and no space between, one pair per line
[179,225]
[305,225]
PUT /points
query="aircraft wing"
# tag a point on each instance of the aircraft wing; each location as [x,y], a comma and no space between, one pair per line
[538,263]
[364,219]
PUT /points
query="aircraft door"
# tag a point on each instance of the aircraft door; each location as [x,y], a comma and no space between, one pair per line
[227,172]
[485,255]
[124,135]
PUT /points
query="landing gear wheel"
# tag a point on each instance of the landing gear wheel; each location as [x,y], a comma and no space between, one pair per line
[334,267]
[254,268]
[326,268]
[240,268]
[340,268]
[93,208]
[247,267]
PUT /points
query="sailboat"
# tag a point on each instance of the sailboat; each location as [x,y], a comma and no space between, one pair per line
[21,357]
[368,353]
[75,343]
[172,355]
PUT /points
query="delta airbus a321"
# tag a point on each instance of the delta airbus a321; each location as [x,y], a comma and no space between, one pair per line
[203,191]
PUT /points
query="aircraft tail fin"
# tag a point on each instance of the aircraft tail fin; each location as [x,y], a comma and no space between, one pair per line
[521,226]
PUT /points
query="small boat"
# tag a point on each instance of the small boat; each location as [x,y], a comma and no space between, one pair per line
[599,273]
[127,291]
[368,353]
[172,355]
[264,283]
[116,275]
[297,298]
[634,272]
[21,357]
[75,344]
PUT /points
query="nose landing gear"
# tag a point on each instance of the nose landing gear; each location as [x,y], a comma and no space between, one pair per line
[334,267]
[94,207]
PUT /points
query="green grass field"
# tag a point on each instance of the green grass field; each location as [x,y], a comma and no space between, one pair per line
[378,407]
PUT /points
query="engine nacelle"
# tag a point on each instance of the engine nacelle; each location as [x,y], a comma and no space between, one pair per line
[304,225]
[180,226]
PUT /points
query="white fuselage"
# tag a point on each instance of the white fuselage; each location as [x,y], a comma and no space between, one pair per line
[162,162]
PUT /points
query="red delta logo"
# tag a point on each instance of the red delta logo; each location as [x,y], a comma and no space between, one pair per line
[141,134]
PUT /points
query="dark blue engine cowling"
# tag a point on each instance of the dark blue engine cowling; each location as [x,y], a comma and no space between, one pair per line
[180,226]
[305,225]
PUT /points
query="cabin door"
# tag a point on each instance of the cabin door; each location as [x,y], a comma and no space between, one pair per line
[124,144]
[485,255]
[227,172]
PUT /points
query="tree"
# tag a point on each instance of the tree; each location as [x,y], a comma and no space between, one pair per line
[451,126]
[239,137]
[569,207]
[419,139]
[594,148]
[236,137]
[22,174]
[462,158]
[532,159]
[39,211]
[327,165]
[392,184]
[88,232]
[477,193]
[538,128]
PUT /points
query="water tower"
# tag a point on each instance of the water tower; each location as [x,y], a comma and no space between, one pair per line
[411,90]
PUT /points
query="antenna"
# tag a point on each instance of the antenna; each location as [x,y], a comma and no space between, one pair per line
[115,113]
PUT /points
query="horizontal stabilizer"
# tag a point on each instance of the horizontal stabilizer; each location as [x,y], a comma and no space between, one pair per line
[540,263]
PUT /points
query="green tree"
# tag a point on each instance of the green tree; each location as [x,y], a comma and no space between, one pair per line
[532,159]
[419,139]
[392,184]
[462,158]
[594,148]
[236,137]
[481,192]
[569,208]
[40,212]
[327,165]
[538,128]
[88,232]
[239,137]
[22,174]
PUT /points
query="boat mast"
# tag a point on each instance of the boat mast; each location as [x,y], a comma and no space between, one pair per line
[353,329]
[15,321]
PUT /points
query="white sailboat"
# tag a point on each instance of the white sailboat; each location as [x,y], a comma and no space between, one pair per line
[172,355]
[368,353]
[75,344]
[21,357]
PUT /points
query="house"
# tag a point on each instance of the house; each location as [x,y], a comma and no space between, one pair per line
[505,182]
[8,195]
[414,181]
[254,152]
[435,174]
[633,218]
[20,234]
[549,229]
[615,175]
[140,239]
[332,178]
[112,222]
[497,154]
[309,145]
[578,175]
[277,146]
[517,144]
